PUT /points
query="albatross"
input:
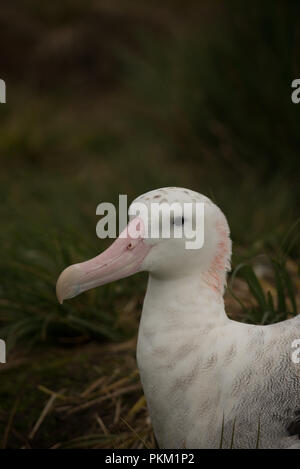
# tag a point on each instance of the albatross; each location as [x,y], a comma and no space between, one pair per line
[209,381]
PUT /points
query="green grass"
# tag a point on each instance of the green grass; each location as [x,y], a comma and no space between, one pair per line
[269,307]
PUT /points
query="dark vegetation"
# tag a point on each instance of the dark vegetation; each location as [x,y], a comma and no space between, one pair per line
[108,98]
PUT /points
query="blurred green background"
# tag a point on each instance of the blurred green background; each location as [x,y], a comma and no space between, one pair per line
[121,97]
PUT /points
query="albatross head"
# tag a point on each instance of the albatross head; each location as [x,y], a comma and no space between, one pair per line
[144,246]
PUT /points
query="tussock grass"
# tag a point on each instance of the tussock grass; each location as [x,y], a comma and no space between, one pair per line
[273,302]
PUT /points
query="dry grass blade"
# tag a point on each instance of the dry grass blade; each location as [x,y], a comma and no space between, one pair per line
[93,441]
[93,386]
[140,404]
[102,425]
[57,395]
[124,346]
[117,411]
[137,435]
[43,415]
[10,422]
[56,446]
[115,385]
[126,444]
[118,393]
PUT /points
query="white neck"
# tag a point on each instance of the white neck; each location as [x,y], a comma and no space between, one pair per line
[178,314]
[187,301]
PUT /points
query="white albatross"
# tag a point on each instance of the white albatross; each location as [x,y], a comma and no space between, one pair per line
[206,378]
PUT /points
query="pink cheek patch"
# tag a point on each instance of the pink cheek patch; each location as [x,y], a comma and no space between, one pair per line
[221,261]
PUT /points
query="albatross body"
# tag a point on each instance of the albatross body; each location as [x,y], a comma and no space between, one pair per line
[210,382]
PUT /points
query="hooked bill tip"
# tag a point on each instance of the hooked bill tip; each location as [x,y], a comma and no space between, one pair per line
[66,283]
[59,294]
